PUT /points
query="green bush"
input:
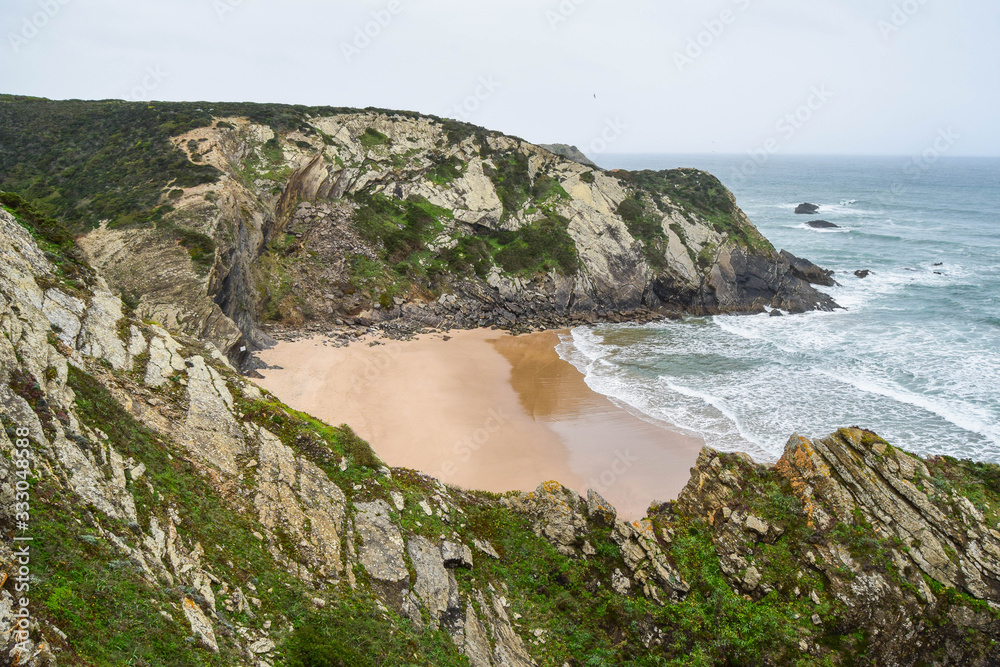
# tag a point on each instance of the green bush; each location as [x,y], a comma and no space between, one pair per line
[200,246]
[83,162]
[511,180]
[446,170]
[547,187]
[470,254]
[357,448]
[646,226]
[538,247]
[372,138]
[272,151]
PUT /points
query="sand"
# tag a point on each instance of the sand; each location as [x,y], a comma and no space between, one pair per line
[484,410]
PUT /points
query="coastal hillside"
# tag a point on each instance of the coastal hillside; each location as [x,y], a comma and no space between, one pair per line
[229,222]
[157,508]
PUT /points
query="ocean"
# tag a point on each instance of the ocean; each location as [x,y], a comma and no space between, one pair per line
[913,355]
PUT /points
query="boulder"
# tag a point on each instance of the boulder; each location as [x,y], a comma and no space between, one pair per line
[805,270]
[381,549]
[822,224]
[434,583]
[806,209]
[456,554]
[599,509]
[555,512]
[862,273]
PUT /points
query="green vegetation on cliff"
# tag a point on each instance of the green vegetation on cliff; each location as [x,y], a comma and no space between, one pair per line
[700,193]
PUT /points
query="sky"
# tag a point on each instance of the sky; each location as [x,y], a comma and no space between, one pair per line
[884,77]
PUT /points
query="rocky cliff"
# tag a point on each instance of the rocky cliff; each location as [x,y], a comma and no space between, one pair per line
[178,515]
[228,222]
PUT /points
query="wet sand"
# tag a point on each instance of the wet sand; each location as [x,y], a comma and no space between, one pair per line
[484,410]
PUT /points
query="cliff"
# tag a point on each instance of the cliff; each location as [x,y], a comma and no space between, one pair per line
[232,221]
[180,516]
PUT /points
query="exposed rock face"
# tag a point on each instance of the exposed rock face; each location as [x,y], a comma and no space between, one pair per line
[847,546]
[857,473]
[290,251]
[807,271]
[435,585]
[853,485]
[381,549]
[558,514]
[565,520]
[571,152]
[806,209]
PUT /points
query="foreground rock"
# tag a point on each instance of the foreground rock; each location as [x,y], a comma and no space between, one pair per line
[874,543]
[277,539]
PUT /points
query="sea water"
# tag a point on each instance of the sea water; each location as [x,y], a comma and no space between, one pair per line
[914,354]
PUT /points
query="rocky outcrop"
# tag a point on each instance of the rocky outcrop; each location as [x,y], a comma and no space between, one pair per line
[297,232]
[196,506]
[566,521]
[822,224]
[570,152]
[806,209]
[873,533]
[807,271]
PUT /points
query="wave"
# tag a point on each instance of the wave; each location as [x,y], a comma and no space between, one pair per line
[822,230]
[958,415]
[723,408]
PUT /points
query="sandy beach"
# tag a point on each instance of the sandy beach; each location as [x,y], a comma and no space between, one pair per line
[481,409]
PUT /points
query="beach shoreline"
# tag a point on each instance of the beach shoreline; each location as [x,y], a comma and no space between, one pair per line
[482,409]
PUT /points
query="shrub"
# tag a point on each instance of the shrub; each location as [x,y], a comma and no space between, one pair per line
[547,187]
[357,448]
[446,170]
[372,138]
[200,246]
[538,247]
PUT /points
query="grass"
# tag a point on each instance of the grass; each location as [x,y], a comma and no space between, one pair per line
[354,631]
[372,138]
[111,615]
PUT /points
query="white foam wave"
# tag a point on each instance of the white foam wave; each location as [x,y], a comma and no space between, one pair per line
[723,408]
[967,417]
[823,230]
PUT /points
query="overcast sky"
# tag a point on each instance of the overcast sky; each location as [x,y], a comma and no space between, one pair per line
[641,76]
